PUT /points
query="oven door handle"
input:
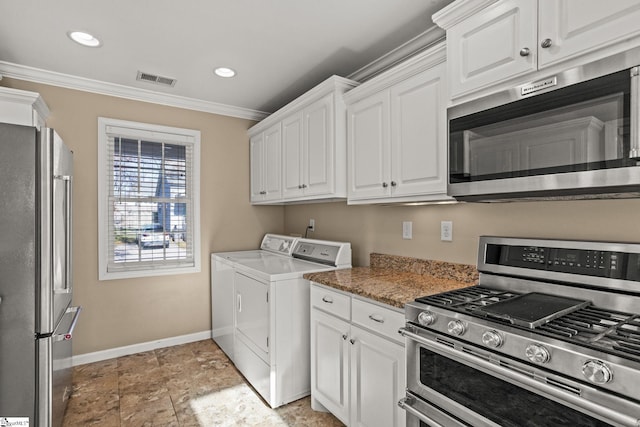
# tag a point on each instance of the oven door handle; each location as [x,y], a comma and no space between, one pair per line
[522,379]
[406,404]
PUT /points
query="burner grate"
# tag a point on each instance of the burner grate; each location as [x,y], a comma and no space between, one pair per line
[467,297]
[608,330]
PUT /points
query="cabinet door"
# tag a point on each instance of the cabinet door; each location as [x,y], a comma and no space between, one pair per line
[330,363]
[377,380]
[292,156]
[485,48]
[273,163]
[318,153]
[419,134]
[368,142]
[575,27]
[256,154]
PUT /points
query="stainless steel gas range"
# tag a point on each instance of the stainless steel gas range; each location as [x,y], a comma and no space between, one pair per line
[549,336]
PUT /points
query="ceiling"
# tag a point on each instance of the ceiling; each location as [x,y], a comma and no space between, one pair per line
[279,48]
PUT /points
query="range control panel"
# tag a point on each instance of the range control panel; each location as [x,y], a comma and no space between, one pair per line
[598,263]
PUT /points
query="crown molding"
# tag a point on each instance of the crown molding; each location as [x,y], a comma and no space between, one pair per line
[458,11]
[420,43]
[37,75]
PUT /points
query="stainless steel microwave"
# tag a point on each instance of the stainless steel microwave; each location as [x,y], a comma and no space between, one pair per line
[570,135]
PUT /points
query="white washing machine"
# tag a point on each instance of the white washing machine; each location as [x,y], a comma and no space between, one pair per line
[260,310]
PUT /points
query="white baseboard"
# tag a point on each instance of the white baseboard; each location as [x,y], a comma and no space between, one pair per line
[98,356]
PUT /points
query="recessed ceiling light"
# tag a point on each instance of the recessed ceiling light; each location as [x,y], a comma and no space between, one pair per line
[84,39]
[224,72]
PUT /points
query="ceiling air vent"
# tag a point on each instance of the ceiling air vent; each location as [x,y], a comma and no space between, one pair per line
[147,77]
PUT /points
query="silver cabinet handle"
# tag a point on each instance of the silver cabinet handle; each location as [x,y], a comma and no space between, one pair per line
[376,318]
[328,300]
[393,183]
[545,43]
[385,185]
[525,51]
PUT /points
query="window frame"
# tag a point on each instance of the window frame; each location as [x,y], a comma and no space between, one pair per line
[152,133]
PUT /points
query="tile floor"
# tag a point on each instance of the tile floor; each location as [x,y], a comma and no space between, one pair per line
[192,385]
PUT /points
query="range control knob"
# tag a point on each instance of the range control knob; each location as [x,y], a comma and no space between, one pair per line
[456,327]
[492,339]
[597,372]
[537,353]
[426,318]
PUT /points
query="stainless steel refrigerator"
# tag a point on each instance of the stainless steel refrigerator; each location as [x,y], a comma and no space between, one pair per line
[36,283]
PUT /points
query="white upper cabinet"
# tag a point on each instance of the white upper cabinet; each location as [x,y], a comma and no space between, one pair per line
[577,27]
[21,107]
[397,135]
[313,145]
[492,43]
[266,160]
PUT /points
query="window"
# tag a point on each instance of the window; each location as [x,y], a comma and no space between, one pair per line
[148,199]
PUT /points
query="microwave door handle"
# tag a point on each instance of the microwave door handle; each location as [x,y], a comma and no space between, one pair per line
[634,151]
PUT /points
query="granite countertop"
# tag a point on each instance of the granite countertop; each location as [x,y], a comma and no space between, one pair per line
[396,280]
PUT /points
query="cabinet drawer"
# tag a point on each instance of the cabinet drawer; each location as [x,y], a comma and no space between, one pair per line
[377,318]
[331,301]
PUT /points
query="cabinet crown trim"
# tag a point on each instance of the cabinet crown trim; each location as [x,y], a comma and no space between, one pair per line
[25,97]
[412,66]
[459,11]
[335,84]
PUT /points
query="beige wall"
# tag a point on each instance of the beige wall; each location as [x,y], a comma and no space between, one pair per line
[379,228]
[124,312]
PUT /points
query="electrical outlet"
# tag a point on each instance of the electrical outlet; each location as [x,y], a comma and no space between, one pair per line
[312,225]
[407,230]
[446,231]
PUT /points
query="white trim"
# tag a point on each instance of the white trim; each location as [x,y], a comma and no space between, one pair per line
[407,50]
[37,75]
[98,356]
[458,11]
[165,133]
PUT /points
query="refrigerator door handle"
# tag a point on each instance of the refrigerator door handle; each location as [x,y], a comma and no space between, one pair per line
[68,195]
[69,334]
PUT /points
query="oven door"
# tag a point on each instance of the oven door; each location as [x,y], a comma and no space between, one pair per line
[456,384]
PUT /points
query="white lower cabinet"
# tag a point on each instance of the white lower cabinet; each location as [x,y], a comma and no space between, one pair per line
[357,359]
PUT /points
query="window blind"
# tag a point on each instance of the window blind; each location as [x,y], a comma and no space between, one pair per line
[150,201]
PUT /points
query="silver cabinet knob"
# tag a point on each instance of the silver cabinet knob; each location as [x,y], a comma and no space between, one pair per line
[597,372]
[304,185]
[352,341]
[525,51]
[426,318]
[385,185]
[393,183]
[492,339]
[456,327]
[545,43]
[299,187]
[537,353]
[344,337]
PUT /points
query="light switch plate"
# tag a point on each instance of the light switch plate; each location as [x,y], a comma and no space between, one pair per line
[407,230]
[446,231]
